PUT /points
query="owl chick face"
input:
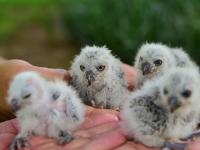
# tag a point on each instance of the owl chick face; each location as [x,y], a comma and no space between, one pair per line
[179,89]
[153,59]
[25,89]
[92,65]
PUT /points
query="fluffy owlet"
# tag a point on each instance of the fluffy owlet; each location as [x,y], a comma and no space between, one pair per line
[155,59]
[98,78]
[164,110]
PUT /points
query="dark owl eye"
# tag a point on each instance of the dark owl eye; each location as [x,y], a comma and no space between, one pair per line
[165,91]
[101,67]
[82,67]
[158,62]
[186,93]
[27,96]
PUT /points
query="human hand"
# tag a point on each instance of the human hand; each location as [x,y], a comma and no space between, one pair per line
[100,131]
[130,76]
[9,68]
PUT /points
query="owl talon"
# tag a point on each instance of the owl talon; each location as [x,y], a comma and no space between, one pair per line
[174,146]
[19,143]
[64,137]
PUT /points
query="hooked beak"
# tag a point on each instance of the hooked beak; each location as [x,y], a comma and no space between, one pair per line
[146,68]
[173,103]
[90,76]
[14,105]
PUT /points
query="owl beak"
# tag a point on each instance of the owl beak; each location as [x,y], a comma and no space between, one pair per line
[146,68]
[15,105]
[90,76]
[173,103]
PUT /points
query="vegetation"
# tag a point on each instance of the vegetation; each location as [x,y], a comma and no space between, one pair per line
[122,25]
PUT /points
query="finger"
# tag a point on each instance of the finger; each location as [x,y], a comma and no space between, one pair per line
[130,76]
[97,130]
[96,117]
[5,140]
[194,145]
[91,111]
[76,143]
[46,146]
[8,131]
[21,65]
[105,141]
[126,146]
[43,143]
[10,126]
[133,146]
[53,73]
[39,140]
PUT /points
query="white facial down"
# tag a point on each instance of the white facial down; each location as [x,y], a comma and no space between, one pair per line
[153,60]
[25,89]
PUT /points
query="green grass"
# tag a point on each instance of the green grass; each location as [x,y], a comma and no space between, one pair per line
[17,14]
[27,2]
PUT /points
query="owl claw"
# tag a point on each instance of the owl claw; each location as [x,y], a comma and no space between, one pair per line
[19,143]
[174,146]
[64,137]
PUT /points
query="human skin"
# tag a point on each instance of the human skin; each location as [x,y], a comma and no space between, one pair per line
[100,126]
[100,131]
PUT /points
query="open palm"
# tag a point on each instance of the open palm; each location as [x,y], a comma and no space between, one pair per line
[100,131]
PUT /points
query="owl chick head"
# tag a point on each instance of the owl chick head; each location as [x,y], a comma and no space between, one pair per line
[25,88]
[92,65]
[153,59]
[180,89]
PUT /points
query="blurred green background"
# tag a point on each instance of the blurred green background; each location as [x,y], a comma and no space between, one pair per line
[50,32]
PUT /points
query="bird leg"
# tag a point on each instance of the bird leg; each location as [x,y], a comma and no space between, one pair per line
[174,146]
[64,137]
[19,143]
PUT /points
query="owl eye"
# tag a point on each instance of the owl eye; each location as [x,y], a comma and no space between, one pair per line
[186,93]
[165,91]
[101,67]
[27,96]
[82,67]
[158,62]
